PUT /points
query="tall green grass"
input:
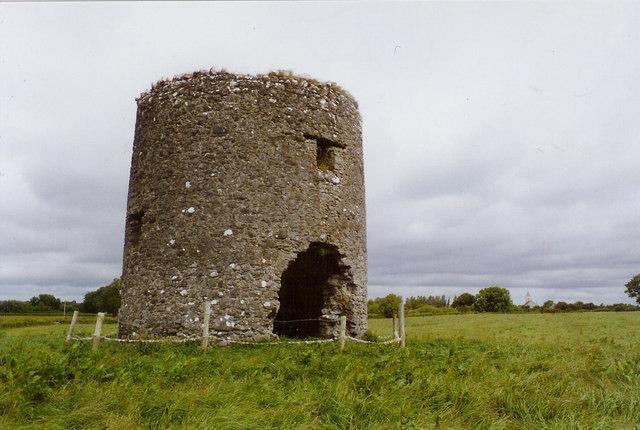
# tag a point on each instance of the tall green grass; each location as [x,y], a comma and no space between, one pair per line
[21,320]
[578,371]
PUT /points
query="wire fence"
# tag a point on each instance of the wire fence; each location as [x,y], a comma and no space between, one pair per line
[303,328]
[234,342]
[186,339]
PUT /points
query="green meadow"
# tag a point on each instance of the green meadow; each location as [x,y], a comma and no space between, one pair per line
[485,371]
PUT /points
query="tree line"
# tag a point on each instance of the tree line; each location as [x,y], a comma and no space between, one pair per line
[104,299]
[490,299]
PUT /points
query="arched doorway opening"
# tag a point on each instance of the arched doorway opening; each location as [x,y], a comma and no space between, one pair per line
[309,287]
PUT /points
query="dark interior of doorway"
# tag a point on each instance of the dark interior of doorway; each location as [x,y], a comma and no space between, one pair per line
[305,289]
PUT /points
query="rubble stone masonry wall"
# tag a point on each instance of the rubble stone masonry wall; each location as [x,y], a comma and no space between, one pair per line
[247,191]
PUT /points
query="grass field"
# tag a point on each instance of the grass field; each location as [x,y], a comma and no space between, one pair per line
[12,320]
[525,371]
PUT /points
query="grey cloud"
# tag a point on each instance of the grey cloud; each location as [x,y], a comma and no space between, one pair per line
[500,139]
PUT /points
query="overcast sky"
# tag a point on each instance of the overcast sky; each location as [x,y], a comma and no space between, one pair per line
[501,140]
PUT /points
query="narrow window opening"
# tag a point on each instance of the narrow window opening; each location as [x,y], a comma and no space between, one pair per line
[308,285]
[134,227]
[325,158]
[325,152]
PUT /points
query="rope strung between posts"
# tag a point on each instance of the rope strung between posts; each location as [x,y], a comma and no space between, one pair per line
[282,342]
[115,339]
[398,333]
[326,320]
[235,342]
[385,342]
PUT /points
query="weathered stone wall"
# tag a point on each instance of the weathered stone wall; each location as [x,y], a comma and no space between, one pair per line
[232,178]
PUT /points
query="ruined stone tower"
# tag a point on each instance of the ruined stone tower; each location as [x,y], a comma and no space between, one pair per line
[247,191]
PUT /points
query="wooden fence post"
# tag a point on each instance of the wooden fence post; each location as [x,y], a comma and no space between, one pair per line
[343,331]
[98,331]
[72,327]
[395,326]
[205,324]
[401,318]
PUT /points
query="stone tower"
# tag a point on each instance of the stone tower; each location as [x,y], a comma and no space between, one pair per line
[247,191]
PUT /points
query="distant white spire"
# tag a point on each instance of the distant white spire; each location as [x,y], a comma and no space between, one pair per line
[529,301]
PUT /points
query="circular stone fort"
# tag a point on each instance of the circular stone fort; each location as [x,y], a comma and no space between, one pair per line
[246,191]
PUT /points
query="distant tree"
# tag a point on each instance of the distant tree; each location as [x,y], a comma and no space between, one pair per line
[561,306]
[419,301]
[15,307]
[385,306]
[104,299]
[548,304]
[633,288]
[45,302]
[463,300]
[493,299]
[389,305]
[618,307]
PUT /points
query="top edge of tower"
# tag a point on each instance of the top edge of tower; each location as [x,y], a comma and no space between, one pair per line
[280,78]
